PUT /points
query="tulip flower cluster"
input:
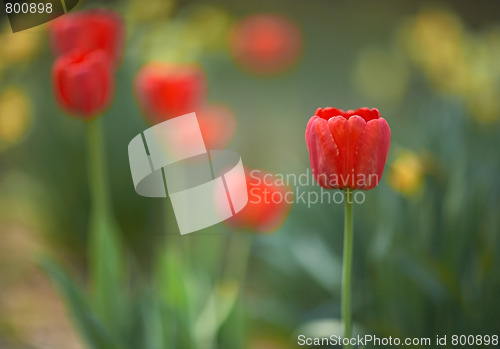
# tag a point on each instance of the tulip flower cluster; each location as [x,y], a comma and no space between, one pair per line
[88,46]
[165,91]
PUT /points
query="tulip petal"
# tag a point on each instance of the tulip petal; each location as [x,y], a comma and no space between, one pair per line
[346,134]
[328,112]
[371,152]
[365,113]
[323,153]
[59,82]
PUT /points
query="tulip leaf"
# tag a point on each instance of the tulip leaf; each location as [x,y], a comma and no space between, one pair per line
[216,311]
[171,285]
[92,330]
[107,276]
[154,323]
[318,262]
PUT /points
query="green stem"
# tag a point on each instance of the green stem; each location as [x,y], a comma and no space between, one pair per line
[106,270]
[97,169]
[176,252]
[347,267]
[239,246]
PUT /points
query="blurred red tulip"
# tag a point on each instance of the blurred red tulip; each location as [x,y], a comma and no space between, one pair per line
[83,83]
[88,31]
[268,204]
[348,150]
[217,125]
[266,43]
[166,91]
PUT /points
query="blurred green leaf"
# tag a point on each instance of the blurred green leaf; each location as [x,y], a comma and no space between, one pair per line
[154,324]
[314,257]
[216,311]
[108,273]
[93,331]
[171,285]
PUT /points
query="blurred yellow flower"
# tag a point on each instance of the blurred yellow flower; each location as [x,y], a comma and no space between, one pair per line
[406,173]
[153,10]
[15,116]
[20,46]
[482,92]
[491,40]
[483,99]
[435,40]
[184,39]
[208,26]
[263,341]
[456,61]
[381,75]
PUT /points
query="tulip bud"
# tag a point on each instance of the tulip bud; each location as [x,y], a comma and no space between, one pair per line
[268,204]
[217,124]
[83,83]
[167,91]
[347,150]
[88,31]
[266,43]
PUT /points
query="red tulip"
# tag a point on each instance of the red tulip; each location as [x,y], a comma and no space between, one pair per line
[217,124]
[88,31]
[167,91]
[347,150]
[266,43]
[83,83]
[268,204]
